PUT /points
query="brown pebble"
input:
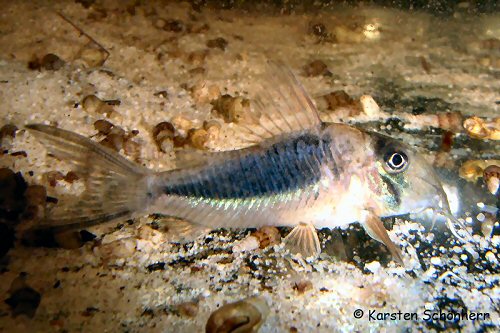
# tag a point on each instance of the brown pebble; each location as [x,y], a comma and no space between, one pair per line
[159,23]
[179,141]
[203,92]
[92,104]
[267,236]
[51,62]
[197,71]
[93,57]
[103,126]
[219,43]
[337,99]
[471,170]
[197,58]
[246,315]
[71,176]
[491,44]
[113,141]
[188,309]
[492,178]
[482,129]
[303,286]
[52,177]
[232,109]
[213,128]
[293,329]
[198,28]
[163,135]
[198,138]
[318,29]
[162,94]
[174,25]
[315,68]
[8,130]
[35,195]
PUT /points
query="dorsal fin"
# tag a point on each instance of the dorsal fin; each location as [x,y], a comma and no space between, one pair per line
[281,106]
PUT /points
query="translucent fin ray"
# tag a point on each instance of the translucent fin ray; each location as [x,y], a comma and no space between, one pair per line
[114,187]
[303,239]
[281,106]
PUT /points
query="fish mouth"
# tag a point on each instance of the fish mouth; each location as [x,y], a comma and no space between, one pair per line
[441,207]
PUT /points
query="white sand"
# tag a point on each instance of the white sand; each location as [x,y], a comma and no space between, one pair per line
[115,279]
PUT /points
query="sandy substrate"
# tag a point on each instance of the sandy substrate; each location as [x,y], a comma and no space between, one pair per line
[129,279]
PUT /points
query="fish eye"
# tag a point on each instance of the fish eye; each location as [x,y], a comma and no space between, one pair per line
[396,161]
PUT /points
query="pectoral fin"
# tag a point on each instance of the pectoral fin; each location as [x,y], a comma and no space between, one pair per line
[375,228]
[303,239]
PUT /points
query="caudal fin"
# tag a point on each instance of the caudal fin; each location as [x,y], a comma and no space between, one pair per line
[114,186]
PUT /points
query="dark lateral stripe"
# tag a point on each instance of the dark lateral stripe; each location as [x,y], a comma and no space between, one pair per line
[283,167]
[393,191]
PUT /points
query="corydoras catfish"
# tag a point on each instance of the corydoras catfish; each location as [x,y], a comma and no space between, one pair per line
[300,173]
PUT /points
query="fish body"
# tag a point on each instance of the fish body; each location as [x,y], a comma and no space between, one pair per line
[301,173]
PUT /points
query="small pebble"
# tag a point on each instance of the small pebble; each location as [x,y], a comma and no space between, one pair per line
[51,62]
[318,29]
[267,236]
[246,315]
[232,109]
[204,93]
[93,104]
[369,106]
[337,99]
[53,177]
[198,138]
[159,23]
[213,128]
[173,25]
[197,71]
[103,126]
[198,28]
[162,94]
[315,68]
[219,43]
[163,135]
[93,57]
[188,309]
[491,177]
[8,131]
[303,286]
[197,58]
[436,261]
[481,129]
[113,141]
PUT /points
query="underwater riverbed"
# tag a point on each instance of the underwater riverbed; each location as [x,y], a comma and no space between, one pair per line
[145,78]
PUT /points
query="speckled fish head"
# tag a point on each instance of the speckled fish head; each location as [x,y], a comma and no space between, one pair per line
[408,183]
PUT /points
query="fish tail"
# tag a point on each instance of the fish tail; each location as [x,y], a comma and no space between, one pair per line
[114,186]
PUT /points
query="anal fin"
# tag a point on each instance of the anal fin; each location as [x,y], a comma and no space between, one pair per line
[303,239]
[375,228]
